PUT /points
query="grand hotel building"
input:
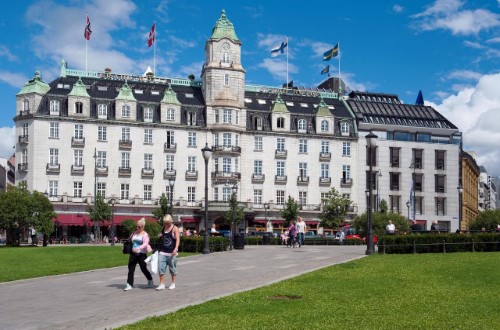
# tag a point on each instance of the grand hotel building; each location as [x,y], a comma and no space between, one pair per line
[125,136]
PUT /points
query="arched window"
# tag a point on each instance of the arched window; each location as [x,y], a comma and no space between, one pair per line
[26,105]
[54,107]
[79,107]
[258,123]
[301,125]
[324,126]
[102,111]
[126,111]
[344,128]
[170,114]
[280,123]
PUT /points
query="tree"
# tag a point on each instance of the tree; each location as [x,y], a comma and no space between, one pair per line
[488,219]
[43,213]
[235,214]
[334,209]
[380,221]
[383,206]
[163,209]
[290,210]
[99,212]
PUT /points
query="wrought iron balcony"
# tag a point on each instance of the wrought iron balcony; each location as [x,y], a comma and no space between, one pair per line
[346,183]
[124,171]
[280,179]
[125,144]
[53,168]
[23,139]
[77,142]
[101,170]
[281,154]
[226,149]
[191,175]
[325,156]
[258,178]
[303,179]
[148,173]
[168,174]
[23,167]
[170,147]
[325,181]
[77,169]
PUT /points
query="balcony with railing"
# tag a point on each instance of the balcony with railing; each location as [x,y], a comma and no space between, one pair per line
[346,182]
[124,171]
[148,173]
[325,156]
[303,180]
[229,177]
[125,144]
[22,167]
[281,154]
[226,149]
[101,170]
[53,168]
[23,139]
[258,178]
[77,142]
[170,147]
[169,174]
[280,179]
[191,175]
[77,169]
[325,181]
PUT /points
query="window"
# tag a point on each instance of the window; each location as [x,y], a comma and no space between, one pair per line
[325,147]
[280,123]
[148,192]
[148,136]
[440,206]
[226,165]
[78,157]
[54,156]
[440,183]
[302,146]
[191,139]
[169,192]
[258,143]
[124,191]
[280,197]
[280,144]
[226,193]
[225,57]
[302,198]
[126,111]
[53,188]
[325,196]
[301,125]
[257,167]
[148,161]
[394,157]
[303,170]
[228,113]
[101,189]
[101,133]
[170,114]
[191,164]
[257,196]
[125,134]
[169,162]
[54,130]
[101,159]
[191,194]
[440,159]
[418,177]
[395,203]
[24,156]
[125,160]
[191,118]
[394,180]
[170,138]
[417,158]
[102,111]
[77,189]
[25,129]
[346,173]
[216,115]
[148,114]
[79,107]
[226,79]
[374,179]
[54,107]
[258,123]
[325,170]
[346,148]
[324,126]
[78,131]
[26,105]
[419,202]
[226,139]
[280,168]
[344,128]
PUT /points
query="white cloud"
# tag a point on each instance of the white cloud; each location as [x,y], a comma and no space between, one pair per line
[495,40]
[476,112]
[398,8]
[5,52]
[471,44]
[464,75]
[7,141]
[14,79]
[277,68]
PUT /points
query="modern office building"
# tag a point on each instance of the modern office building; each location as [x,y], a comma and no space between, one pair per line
[126,137]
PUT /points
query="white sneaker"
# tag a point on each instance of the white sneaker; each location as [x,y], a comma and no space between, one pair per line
[161,287]
[151,284]
[128,287]
[172,286]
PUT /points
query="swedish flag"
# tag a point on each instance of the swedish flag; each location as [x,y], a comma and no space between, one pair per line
[331,53]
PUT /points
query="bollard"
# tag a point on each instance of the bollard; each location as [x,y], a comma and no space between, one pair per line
[414,247]
[473,248]
[444,247]
[383,247]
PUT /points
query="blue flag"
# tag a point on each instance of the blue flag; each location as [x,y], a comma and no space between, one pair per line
[278,50]
[326,69]
[331,53]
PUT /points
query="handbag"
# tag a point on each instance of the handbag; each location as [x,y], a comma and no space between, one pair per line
[127,247]
[154,263]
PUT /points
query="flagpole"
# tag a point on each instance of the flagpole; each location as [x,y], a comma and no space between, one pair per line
[154,51]
[287,47]
[86,44]
[339,68]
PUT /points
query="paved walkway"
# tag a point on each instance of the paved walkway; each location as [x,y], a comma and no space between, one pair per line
[96,300]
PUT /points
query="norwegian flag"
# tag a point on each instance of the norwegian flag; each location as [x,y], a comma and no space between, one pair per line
[152,35]
[88,31]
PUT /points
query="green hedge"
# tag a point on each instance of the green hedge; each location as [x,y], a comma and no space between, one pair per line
[195,244]
[439,243]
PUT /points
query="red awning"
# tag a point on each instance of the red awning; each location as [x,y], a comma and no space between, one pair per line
[80,219]
[190,219]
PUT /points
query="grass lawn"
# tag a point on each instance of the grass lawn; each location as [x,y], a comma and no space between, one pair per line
[28,262]
[425,291]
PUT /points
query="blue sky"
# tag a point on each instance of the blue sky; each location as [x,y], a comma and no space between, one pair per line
[449,49]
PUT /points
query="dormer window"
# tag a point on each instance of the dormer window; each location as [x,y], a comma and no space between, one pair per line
[258,123]
[102,111]
[324,126]
[191,119]
[126,111]
[344,128]
[280,122]
[148,114]
[301,125]
[54,107]
[26,105]
[170,114]
[79,107]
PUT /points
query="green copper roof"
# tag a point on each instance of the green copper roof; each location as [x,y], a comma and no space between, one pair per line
[170,97]
[79,89]
[35,85]
[279,105]
[323,109]
[126,93]
[224,28]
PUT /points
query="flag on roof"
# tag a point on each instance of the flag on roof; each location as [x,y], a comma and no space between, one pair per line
[88,31]
[326,69]
[152,35]
[278,50]
[331,53]
[420,99]
[289,85]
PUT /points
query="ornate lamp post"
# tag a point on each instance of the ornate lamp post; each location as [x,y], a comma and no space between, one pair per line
[460,192]
[206,152]
[408,207]
[266,207]
[234,190]
[371,142]
[171,183]
[112,232]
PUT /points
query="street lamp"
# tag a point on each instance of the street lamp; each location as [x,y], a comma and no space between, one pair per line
[171,183]
[378,189]
[371,142]
[234,190]
[460,192]
[408,207]
[206,152]
[112,232]
[95,191]
[266,207]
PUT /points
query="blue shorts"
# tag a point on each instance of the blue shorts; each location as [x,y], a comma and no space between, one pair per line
[167,261]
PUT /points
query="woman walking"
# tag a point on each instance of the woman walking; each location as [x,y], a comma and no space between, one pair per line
[140,243]
[169,249]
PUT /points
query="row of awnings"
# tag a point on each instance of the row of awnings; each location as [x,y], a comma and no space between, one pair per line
[281,221]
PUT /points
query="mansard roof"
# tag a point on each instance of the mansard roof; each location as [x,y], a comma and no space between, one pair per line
[224,28]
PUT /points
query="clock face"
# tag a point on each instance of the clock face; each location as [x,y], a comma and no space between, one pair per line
[225,46]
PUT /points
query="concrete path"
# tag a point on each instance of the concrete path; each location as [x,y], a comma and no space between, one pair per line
[96,300]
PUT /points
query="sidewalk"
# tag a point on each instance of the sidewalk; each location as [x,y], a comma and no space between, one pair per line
[96,300]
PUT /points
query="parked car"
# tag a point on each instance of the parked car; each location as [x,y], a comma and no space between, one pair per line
[311,234]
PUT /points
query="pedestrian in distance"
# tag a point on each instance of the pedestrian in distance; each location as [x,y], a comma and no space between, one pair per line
[301,230]
[140,244]
[435,226]
[292,234]
[169,250]
[390,229]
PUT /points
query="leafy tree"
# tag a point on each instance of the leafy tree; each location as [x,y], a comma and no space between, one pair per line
[235,214]
[488,219]
[152,228]
[334,209]
[99,213]
[380,221]
[163,209]
[383,206]
[42,215]
[290,210]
